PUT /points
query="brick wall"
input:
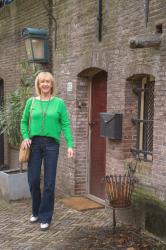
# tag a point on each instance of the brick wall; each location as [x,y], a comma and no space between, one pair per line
[77,48]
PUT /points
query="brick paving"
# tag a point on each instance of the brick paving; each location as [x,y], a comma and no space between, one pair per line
[70,229]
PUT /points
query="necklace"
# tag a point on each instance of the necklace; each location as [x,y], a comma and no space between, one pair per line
[44,112]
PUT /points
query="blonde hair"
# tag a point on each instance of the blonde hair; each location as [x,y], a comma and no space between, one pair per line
[42,75]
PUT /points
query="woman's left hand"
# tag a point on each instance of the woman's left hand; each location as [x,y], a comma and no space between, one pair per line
[70,152]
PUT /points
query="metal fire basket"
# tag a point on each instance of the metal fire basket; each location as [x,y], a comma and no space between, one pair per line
[119,189]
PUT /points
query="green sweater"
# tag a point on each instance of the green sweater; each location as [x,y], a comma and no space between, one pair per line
[55,120]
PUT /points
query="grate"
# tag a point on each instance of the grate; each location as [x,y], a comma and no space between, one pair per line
[119,189]
[144,147]
[148,114]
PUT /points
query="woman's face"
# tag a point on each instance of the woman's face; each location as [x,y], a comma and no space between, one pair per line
[45,85]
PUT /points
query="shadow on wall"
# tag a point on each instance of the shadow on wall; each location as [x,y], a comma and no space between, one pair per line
[146,215]
[155,220]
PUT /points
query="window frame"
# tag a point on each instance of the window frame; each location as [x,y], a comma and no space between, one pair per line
[144,135]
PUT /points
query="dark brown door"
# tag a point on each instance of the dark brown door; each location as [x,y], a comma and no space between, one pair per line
[98,144]
[1,136]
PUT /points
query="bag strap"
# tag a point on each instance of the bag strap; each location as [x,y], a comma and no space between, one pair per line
[30,113]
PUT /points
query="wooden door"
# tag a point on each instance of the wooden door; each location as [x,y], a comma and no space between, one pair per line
[98,144]
[1,136]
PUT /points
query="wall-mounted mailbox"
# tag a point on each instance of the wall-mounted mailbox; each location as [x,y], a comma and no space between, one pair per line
[111,126]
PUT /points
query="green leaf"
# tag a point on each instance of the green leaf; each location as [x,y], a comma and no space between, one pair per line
[12,108]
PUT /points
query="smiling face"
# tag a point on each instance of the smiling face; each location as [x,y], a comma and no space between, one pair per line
[45,85]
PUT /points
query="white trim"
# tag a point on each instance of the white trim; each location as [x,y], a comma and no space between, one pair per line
[141,115]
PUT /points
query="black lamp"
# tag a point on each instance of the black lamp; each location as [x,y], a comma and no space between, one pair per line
[36,42]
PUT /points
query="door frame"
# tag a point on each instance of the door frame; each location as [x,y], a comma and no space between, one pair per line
[2,136]
[89,136]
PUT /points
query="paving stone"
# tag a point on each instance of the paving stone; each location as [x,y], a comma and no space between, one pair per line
[69,230]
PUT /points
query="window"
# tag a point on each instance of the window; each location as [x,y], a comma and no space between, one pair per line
[144,89]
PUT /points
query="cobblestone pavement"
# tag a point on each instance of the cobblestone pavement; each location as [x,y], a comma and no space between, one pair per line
[70,229]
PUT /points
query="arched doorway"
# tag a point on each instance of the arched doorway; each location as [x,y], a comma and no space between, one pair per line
[95,81]
[1,136]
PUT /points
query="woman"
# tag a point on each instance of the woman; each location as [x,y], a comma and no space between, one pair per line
[44,117]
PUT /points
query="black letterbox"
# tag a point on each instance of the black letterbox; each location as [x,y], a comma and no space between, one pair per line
[111,126]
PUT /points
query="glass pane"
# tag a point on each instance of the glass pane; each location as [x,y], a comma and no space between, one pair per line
[28,49]
[38,48]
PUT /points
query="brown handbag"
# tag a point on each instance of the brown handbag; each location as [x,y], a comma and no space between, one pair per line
[25,152]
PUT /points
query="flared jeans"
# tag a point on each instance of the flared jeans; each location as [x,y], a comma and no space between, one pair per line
[46,150]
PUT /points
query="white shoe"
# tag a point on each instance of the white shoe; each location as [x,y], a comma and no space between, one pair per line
[44,226]
[33,219]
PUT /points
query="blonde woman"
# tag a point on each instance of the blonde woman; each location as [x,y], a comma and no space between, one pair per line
[48,118]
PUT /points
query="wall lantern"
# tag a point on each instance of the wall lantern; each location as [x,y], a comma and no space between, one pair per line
[36,43]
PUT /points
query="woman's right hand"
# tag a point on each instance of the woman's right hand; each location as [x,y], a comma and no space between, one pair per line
[26,143]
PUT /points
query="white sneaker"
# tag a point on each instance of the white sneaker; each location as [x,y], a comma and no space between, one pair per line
[33,219]
[44,226]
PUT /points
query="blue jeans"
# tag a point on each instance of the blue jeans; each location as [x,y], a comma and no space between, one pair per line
[47,149]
